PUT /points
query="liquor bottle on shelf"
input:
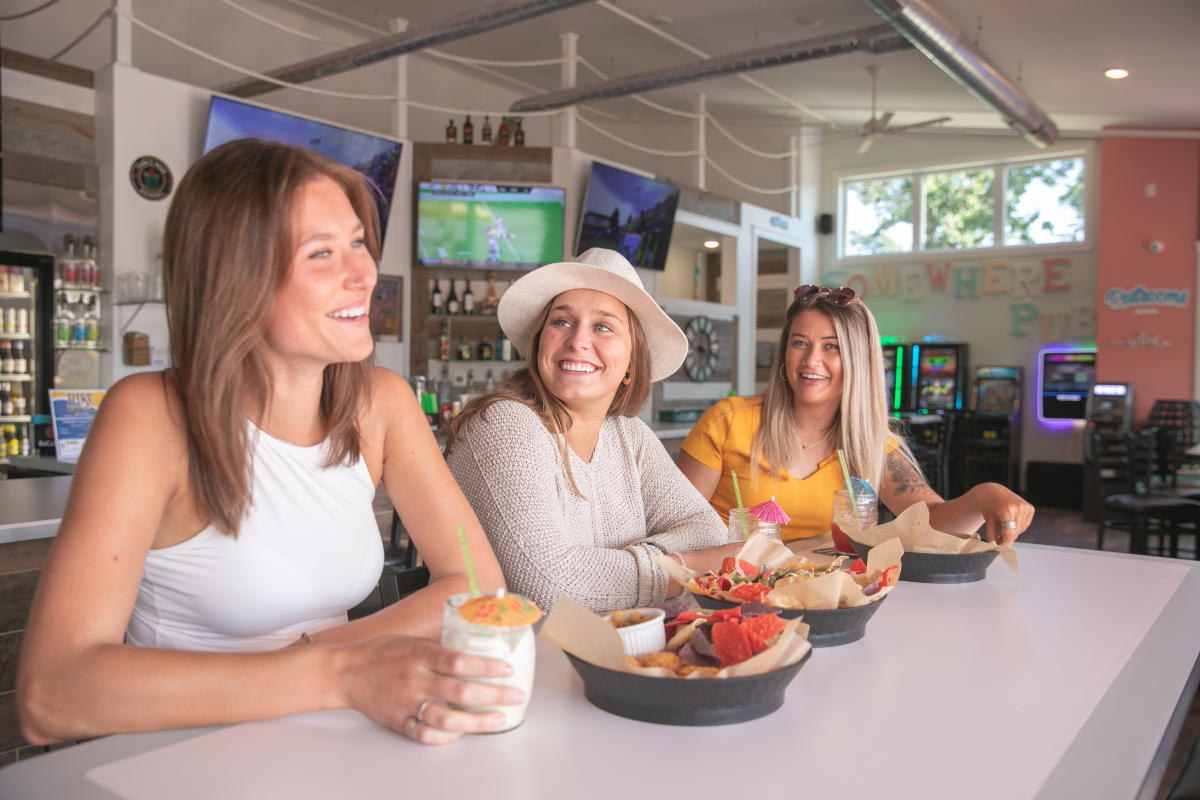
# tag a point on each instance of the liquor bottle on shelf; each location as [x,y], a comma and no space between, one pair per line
[470,381]
[485,135]
[468,131]
[452,304]
[92,337]
[464,350]
[489,382]
[435,298]
[6,403]
[20,402]
[491,300]
[63,321]
[68,269]
[6,357]
[468,300]
[451,132]
[518,134]
[484,352]
[502,134]
[89,272]
[444,342]
[20,364]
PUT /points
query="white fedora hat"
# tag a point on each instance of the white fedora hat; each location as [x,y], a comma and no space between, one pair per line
[603,271]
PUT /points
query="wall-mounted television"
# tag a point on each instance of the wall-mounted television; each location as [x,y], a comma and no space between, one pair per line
[1064,379]
[374,156]
[628,213]
[492,225]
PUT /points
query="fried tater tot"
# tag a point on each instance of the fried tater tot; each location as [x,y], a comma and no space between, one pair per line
[665,660]
[704,672]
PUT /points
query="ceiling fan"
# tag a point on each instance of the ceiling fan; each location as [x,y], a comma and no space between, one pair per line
[878,126]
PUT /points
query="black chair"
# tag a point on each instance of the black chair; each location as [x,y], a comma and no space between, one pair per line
[1124,464]
[403,573]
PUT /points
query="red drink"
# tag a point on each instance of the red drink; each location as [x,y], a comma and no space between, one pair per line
[841,542]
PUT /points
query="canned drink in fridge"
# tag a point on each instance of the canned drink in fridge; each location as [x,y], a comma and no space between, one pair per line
[22,320]
[10,320]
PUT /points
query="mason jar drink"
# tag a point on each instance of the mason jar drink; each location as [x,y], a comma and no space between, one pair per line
[497,626]
[753,525]
[851,515]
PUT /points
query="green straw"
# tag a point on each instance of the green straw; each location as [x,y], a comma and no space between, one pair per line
[846,476]
[462,541]
[737,493]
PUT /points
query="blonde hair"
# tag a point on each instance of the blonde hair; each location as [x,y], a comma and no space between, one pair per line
[862,425]
[525,386]
[227,247]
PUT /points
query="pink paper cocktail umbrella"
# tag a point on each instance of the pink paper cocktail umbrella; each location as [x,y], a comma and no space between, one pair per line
[770,511]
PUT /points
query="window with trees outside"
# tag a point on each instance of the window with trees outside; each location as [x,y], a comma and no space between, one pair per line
[986,206]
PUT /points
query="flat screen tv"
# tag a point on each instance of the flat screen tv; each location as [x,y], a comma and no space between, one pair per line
[1064,379]
[492,225]
[374,156]
[629,213]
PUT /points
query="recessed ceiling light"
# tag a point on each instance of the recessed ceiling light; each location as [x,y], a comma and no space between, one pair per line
[806,22]
[1116,73]
[712,244]
[662,19]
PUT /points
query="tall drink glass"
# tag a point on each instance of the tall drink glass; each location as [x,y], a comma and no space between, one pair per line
[851,515]
[493,636]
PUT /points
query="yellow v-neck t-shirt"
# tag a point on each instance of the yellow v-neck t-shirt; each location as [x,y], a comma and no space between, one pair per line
[721,440]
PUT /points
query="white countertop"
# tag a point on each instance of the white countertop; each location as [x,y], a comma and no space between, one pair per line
[1064,682]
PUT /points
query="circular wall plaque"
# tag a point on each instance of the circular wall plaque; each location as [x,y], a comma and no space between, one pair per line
[151,178]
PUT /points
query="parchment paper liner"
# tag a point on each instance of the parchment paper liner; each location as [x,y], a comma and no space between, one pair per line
[826,592]
[913,530]
[588,636]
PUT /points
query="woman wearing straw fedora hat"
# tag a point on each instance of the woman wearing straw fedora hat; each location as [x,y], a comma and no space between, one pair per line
[576,494]
[826,394]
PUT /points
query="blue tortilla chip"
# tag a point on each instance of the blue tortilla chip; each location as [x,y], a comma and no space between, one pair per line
[701,645]
[690,654]
[755,609]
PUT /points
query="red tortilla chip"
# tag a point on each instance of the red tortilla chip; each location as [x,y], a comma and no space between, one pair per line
[731,643]
[726,615]
[858,567]
[751,592]
[760,629]
[733,565]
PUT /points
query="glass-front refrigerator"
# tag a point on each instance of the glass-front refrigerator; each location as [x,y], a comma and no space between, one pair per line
[26,347]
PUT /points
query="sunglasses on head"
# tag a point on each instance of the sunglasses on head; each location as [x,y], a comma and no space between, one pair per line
[838,296]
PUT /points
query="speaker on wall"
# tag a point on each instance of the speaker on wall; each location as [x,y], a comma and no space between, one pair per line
[825,223]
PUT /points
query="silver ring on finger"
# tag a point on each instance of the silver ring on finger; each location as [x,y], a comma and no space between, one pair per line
[420,717]
[411,727]
[1009,525]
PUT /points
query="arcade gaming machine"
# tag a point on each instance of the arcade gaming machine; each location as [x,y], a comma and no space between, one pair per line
[989,443]
[896,358]
[1109,414]
[938,376]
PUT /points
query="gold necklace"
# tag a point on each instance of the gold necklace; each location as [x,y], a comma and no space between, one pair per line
[824,436]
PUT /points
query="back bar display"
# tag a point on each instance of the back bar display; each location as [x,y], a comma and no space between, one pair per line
[939,376]
[997,390]
[1064,379]
[896,359]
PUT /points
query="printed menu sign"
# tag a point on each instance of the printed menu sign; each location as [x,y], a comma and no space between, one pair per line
[72,412]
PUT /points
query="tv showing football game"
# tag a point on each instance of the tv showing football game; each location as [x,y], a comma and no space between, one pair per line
[376,157]
[628,213]
[492,225]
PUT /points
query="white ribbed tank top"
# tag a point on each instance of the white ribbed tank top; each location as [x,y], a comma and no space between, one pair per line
[308,550]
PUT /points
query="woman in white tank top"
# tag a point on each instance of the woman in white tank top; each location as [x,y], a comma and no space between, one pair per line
[221,510]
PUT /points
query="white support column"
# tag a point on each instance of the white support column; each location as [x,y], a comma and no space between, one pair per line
[793,175]
[400,75]
[701,144]
[567,76]
[122,32]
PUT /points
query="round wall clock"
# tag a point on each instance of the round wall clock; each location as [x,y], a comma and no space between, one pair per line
[703,346]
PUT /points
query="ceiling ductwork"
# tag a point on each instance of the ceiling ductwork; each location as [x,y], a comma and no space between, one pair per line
[397,44]
[873,39]
[943,44]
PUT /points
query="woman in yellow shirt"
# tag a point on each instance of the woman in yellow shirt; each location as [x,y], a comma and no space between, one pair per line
[826,392]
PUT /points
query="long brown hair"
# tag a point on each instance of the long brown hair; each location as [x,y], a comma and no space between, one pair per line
[861,426]
[227,248]
[525,385]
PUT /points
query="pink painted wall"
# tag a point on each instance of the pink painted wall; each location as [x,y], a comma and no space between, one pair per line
[1150,341]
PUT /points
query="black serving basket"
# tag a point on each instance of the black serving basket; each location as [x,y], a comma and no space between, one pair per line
[826,627]
[676,701]
[939,567]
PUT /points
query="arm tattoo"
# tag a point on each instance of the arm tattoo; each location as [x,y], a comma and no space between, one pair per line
[903,476]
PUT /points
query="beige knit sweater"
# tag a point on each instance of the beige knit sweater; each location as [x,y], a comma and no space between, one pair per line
[596,549]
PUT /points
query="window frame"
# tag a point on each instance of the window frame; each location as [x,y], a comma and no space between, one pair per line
[1000,167]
